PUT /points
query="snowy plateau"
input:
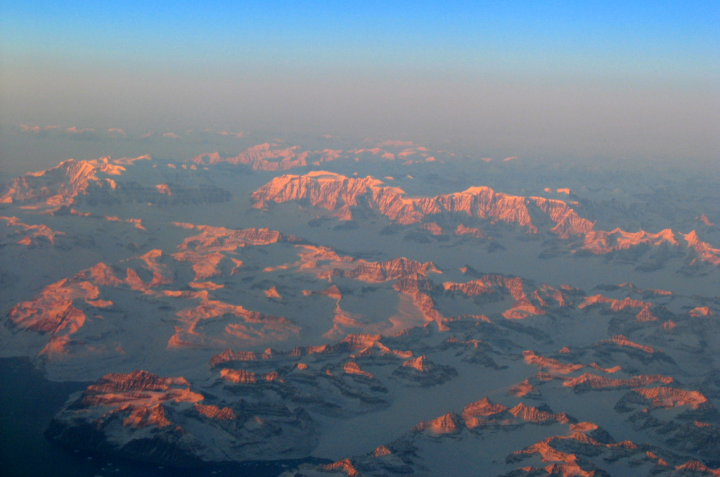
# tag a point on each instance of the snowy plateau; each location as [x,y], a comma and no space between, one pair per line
[390,308]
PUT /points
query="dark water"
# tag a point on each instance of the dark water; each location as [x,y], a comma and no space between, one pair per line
[27,404]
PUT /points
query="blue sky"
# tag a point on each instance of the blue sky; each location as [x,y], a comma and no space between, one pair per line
[86,62]
[643,38]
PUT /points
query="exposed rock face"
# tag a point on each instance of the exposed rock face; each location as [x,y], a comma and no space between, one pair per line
[549,364]
[565,452]
[221,239]
[96,182]
[53,310]
[601,242]
[494,286]
[695,430]
[332,291]
[694,468]
[579,449]
[333,390]
[473,232]
[701,311]
[704,251]
[359,374]
[413,452]
[359,344]
[413,283]
[589,381]
[665,397]
[532,414]
[421,371]
[433,228]
[31,233]
[164,189]
[343,194]
[253,327]
[448,424]
[147,417]
[615,305]
[210,251]
[482,408]
[64,310]
[263,156]
[339,193]
[620,340]
[273,293]
[59,311]
[106,388]
[270,157]
[524,389]
[390,270]
[328,352]
[61,184]
[331,380]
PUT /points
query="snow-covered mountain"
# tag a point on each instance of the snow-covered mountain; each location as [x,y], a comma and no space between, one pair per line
[370,311]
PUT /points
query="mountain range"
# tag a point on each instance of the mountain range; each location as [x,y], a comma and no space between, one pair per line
[392,309]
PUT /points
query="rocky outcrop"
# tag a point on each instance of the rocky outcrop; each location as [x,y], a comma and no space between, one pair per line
[695,468]
[483,414]
[621,340]
[524,389]
[339,193]
[417,286]
[270,157]
[447,424]
[155,262]
[472,351]
[61,184]
[332,291]
[342,195]
[587,382]
[471,231]
[389,270]
[537,416]
[615,305]
[701,311]
[335,390]
[245,290]
[57,313]
[703,250]
[220,239]
[363,345]
[273,293]
[241,376]
[61,309]
[204,265]
[433,228]
[252,327]
[142,416]
[423,450]
[209,248]
[663,397]
[421,371]
[569,455]
[97,182]
[693,430]
[30,235]
[263,156]
[549,364]
[601,242]
[494,287]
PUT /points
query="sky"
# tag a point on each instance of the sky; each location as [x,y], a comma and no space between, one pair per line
[554,78]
